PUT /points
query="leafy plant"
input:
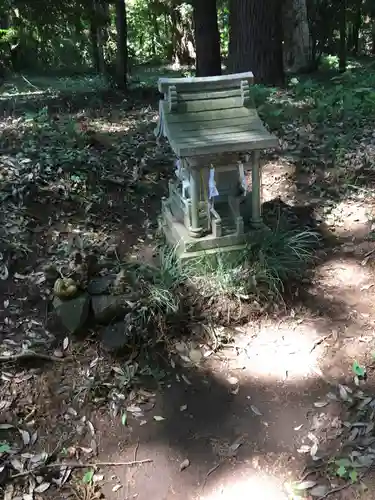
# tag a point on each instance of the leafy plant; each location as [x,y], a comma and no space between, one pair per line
[272,259]
[88,476]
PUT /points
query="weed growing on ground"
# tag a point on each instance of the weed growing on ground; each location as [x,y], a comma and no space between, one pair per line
[261,271]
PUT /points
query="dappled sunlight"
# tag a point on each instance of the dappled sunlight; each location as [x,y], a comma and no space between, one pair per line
[350,216]
[274,351]
[244,484]
[345,273]
[275,180]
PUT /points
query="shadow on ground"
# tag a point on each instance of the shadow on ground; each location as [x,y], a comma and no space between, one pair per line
[251,429]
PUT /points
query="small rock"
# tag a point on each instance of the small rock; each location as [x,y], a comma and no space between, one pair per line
[101,285]
[115,337]
[73,313]
[109,307]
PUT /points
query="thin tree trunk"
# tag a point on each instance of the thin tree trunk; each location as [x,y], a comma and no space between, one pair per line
[357,27]
[297,39]
[255,42]
[122,46]
[342,49]
[96,40]
[207,38]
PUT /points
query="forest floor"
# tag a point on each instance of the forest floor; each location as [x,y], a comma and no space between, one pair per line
[277,402]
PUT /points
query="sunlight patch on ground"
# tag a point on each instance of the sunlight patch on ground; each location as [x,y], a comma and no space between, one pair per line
[275,352]
[275,180]
[350,217]
[345,273]
[252,485]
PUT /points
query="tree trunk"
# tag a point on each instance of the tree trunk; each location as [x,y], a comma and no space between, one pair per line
[207,38]
[342,47]
[96,39]
[255,42]
[183,51]
[122,46]
[357,27]
[297,39]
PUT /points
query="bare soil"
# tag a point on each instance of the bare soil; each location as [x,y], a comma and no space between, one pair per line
[236,422]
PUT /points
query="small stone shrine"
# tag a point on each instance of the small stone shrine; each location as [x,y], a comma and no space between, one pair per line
[216,134]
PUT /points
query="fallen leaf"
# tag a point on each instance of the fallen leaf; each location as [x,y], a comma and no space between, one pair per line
[118,370]
[304,449]
[66,343]
[158,418]
[183,407]
[4,427]
[133,409]
[42,487]
[305,485]
[343,393]
[185,464]
[25,437]
[314,450]
[256,410]
[320,404]
[116,487]
[34,437]
[16,464]
[298,428]
[186,380]
[91,428]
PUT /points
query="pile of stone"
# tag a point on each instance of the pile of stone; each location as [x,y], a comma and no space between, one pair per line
[98,305]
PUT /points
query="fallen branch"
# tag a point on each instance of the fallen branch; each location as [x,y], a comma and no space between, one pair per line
[28,354]
[78,465]
[335,490]
[320,341]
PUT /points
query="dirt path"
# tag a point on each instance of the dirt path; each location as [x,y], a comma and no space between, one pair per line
[247,419]
[251,409]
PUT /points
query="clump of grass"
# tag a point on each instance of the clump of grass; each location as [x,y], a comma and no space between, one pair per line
[158,286]
[270,261]
[168,276]
[261,271]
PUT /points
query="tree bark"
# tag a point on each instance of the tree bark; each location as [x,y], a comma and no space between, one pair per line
[207,38]
[342,46]
[357,25]
[297,38]
[96,39]
[122,46]
[255,42]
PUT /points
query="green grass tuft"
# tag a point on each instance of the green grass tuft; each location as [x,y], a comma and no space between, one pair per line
[262,270]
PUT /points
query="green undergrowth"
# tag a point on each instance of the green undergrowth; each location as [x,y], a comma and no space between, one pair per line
[342,99]
[261,272]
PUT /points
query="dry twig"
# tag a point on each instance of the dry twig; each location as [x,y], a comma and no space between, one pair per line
[78,465]
[335,490]
[29,354]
